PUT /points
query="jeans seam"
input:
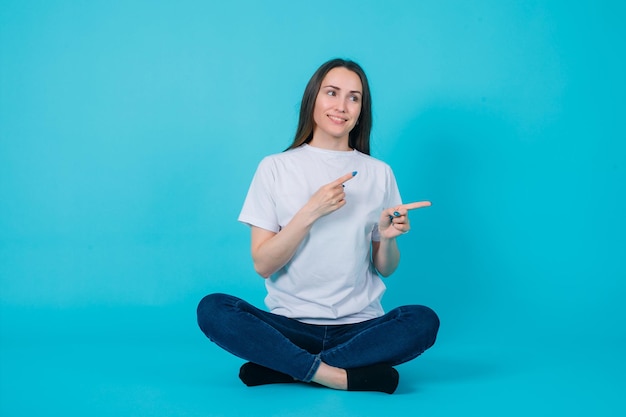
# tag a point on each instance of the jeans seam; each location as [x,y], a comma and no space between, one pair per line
[316,364]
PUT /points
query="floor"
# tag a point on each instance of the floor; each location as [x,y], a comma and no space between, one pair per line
[115,371]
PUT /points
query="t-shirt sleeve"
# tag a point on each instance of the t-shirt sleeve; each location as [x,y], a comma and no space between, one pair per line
[259,207]
[392,198]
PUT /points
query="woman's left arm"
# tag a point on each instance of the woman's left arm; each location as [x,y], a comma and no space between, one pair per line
[386,256]
[393,223]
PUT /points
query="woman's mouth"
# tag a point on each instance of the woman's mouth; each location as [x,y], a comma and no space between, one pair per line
[337,119]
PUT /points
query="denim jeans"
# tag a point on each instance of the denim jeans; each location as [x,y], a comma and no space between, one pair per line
[297,349]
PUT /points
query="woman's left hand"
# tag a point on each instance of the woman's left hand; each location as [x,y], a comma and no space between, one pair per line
[395,221]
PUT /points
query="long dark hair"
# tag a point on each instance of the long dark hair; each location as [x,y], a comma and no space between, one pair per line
[359,137]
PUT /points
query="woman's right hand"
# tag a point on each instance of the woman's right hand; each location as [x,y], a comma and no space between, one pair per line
[329,197]
[271,251]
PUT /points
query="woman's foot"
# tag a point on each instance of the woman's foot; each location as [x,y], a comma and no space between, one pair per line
[252,375]
[379,377]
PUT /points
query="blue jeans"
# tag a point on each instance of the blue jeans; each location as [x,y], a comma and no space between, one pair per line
[297,349]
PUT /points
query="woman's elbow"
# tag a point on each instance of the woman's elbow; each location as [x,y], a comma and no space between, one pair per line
[384,273]
[262,271]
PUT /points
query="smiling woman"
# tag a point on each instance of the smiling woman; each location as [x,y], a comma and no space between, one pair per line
[337,109]
[359,135]
[323,237]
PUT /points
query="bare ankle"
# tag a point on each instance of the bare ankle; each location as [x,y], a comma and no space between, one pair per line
[331,377]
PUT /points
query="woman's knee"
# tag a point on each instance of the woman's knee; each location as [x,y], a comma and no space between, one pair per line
[211,307]
[426,322]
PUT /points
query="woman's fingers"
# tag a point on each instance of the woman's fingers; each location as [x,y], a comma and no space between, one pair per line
[398,216]
[416,205]
[403,210]
[330,197]
[337,193]
[342,179]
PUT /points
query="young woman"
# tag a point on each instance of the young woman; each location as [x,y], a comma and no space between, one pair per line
[324,218]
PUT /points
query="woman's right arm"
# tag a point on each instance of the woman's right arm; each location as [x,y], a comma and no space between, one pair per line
[271,251]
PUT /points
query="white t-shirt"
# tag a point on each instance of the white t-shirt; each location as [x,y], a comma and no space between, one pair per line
[330,279]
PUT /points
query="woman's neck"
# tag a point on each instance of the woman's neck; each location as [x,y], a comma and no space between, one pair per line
[330,143]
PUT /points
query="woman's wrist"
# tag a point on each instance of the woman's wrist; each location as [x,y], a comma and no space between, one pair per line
[385,239]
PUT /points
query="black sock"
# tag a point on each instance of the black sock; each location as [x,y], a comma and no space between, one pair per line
[378,377]
[252,375]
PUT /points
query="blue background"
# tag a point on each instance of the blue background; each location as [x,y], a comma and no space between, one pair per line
[130,130]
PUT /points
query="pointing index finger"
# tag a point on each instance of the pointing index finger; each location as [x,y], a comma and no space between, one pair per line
[344,178]
[416,205]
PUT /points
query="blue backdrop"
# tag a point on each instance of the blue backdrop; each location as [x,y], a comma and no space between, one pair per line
[129,132]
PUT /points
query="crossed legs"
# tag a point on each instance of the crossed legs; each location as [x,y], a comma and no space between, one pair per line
[353,357]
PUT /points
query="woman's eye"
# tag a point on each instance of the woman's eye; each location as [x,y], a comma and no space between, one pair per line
[354,98]
[330,93]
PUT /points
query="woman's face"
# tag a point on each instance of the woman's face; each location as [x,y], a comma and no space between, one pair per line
[338,105]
